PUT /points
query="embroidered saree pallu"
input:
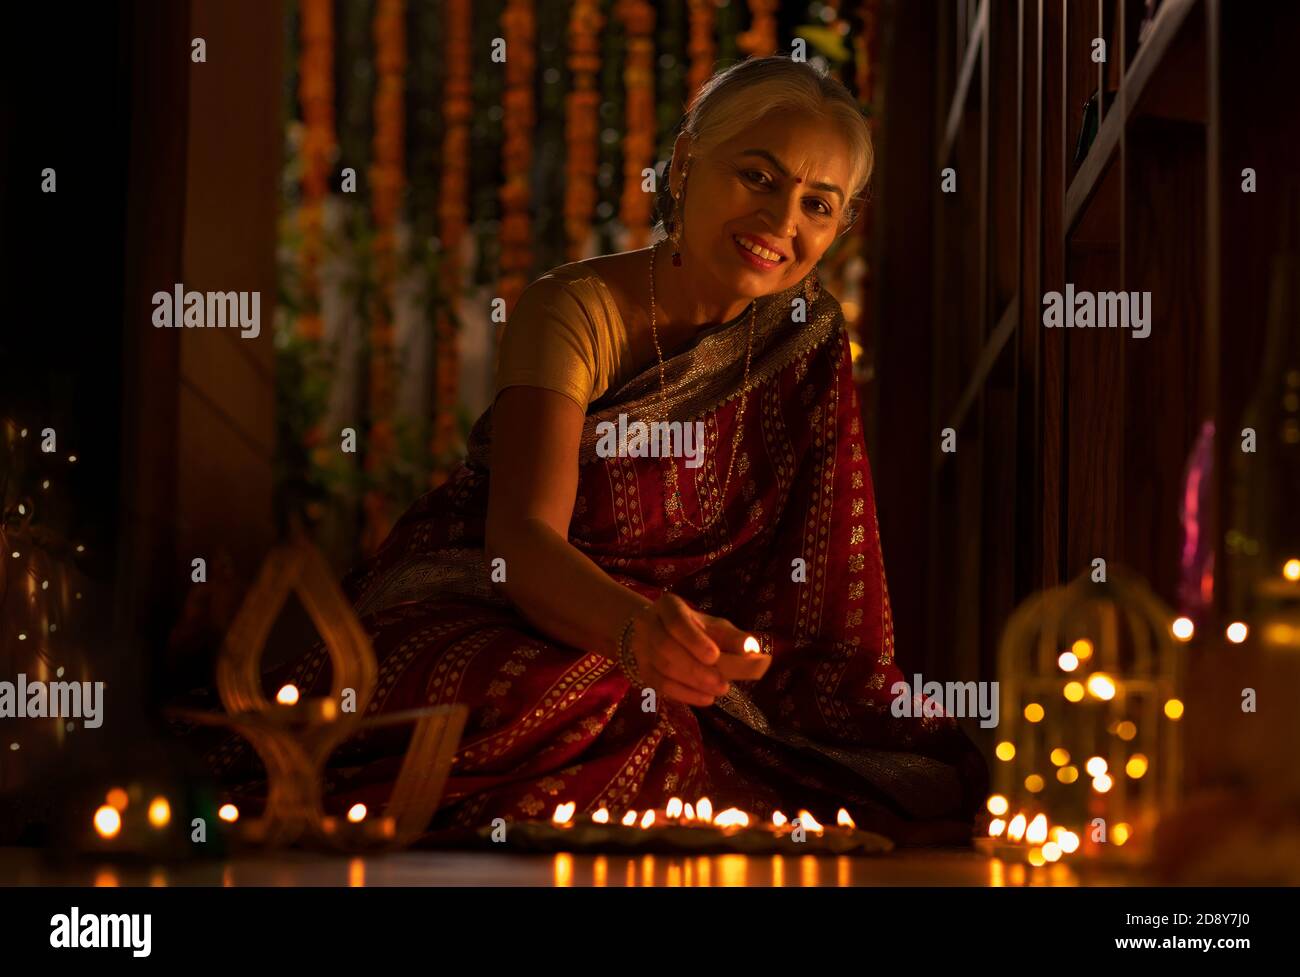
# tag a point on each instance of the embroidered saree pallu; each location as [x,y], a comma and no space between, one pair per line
[794,558]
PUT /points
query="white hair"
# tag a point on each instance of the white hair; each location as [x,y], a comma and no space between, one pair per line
[738,98]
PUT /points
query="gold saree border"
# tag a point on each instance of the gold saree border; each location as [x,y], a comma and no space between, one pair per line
[705,377]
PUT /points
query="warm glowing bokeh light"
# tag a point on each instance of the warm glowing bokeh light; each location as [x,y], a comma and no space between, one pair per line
[1126,730]
[1082,649]
[1102,783]
[1137,766]
[1016,829]
[1060,756]
[1183,628]
[998,805]
[1237,632]
[117,798]
[1121,833]
[629,819]
[288,695]
[108,822]
[1174,709]
[601,816]
[1034,783]
[160,812]
[1034,712]
[357,813]
[647,819]
[1036,833]
[1096,766]
[1068,774]
[1101,686]
[564,812]
[810,823]
[1074,691]
[1006,750]
[1291,569]
[673,809]
[704,809]
[996,827]
[844,819]
[229,813]
[1068,661]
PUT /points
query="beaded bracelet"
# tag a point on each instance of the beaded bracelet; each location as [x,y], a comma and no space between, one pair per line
[626,660]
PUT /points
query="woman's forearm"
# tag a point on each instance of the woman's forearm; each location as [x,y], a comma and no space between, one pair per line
[559,589]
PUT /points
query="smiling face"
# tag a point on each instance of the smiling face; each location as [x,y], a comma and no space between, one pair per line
[781,187]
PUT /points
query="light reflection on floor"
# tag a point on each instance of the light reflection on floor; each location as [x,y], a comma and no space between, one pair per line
[703,871]
[461,868]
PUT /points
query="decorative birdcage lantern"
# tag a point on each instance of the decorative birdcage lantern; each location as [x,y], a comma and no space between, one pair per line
[1089,751]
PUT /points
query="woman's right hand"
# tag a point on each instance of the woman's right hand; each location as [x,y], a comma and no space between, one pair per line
[675,654]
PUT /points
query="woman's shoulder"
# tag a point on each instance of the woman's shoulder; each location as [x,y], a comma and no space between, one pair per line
[565,331]
[577,295]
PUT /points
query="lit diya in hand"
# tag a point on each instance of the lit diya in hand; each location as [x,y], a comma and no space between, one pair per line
[748,666]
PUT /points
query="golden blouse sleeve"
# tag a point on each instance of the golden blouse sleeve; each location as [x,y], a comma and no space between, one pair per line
[549,342]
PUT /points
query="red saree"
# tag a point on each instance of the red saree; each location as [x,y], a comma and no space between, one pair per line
[551,723]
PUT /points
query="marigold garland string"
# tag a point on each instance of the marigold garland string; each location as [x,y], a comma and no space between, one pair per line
[866,50]
[519,26]
[636,205]
[701,46]
[865,46]
[582,126]
[386,182]
[319,145]
[832,270]
[453,220]
[760,39]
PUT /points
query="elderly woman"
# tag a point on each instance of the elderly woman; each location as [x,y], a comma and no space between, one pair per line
[589,598]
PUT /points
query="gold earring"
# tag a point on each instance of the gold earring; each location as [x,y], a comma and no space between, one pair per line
[675,225]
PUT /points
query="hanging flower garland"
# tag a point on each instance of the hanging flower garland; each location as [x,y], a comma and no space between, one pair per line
[865,49]
[582,125]
[386,181]
[825,36]
[760,39]
[701,46]
[636,205]
[453,218]
[319,145]
[519,26]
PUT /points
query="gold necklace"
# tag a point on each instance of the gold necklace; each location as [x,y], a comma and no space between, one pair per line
[740,411]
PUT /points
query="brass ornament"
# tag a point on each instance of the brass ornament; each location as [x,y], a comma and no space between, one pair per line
[294,741]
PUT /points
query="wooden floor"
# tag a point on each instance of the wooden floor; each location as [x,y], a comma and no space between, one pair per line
[928,867]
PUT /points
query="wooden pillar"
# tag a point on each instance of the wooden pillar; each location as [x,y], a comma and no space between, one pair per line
[199,404]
